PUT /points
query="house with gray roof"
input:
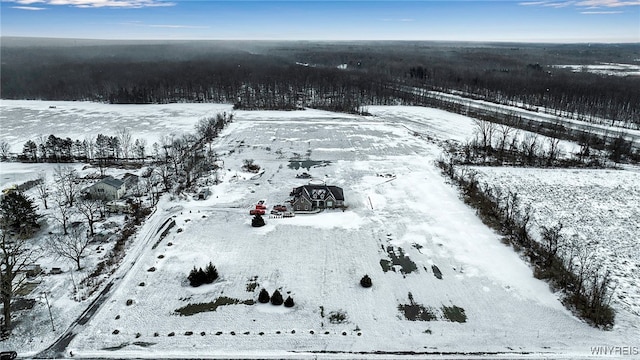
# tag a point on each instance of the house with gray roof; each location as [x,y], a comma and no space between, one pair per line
[107,189]
[313,197]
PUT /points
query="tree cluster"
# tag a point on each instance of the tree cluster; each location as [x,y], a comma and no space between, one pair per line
[18,222]
[197,276]
[18,214]
[181,160]
[103,148]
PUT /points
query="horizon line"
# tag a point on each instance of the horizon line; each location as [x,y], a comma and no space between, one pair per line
[331,40]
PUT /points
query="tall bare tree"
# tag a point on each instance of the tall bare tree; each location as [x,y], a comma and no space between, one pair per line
[62,212]
[484,131]
[71,246]
[125,140]
[16,255]
[90,209]
[42,190]
[504,131]
[5,148]
[139,148]
[67,183]
[554,150]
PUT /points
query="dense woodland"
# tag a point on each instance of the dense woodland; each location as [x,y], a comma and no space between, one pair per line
[289,75]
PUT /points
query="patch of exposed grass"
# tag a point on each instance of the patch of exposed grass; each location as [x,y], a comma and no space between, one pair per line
[193,309]
[117,347]
[454,313]
[386,265]
[398,257]
[307,164]
[416,312]
[252,284]
[436,272]
[337,317]
[143,343]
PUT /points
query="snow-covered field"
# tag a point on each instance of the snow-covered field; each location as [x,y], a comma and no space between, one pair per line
[319,259]
[23,119]
[612,69]
[600,208]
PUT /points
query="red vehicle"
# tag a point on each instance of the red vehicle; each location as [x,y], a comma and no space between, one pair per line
[256,212]
[279,208]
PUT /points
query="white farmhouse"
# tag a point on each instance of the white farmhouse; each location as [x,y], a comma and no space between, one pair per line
[107,189]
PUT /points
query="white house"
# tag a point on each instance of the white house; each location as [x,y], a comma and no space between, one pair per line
[107,189]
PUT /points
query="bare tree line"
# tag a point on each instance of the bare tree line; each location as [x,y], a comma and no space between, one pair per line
[566,263]
[500,144]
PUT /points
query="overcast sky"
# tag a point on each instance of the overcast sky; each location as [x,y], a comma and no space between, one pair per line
[470,20]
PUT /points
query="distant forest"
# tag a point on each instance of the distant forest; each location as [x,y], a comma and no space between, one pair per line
[342,76]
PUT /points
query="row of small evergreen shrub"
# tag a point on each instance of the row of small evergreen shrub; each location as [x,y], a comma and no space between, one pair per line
[275,299]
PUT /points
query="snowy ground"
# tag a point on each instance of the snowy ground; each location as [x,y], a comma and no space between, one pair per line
[81,119]
[600,208]
[605,69]
[319,259]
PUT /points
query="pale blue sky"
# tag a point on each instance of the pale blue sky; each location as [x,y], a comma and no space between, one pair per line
[457,20]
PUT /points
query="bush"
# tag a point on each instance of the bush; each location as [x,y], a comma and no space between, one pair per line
[197,276]
[289,302]
[337,317]
[276,298]
[257,221]
[264,297]
[366,281]
[211,273]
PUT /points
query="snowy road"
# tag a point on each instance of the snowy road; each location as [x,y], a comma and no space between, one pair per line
[537,116]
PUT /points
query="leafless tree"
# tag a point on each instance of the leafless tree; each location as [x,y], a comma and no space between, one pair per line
[552,240]
[125,139]
[67,183]
[530,146]
[71,246]
[89,146]
[62,212]
[42,190]
[90,209]
[484,131]
[16,255]
[585,257]
[504,131]
[139,148]
[5,149]
[554,150]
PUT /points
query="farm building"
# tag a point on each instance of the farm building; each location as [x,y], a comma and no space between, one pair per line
[311,197]
[107,189]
